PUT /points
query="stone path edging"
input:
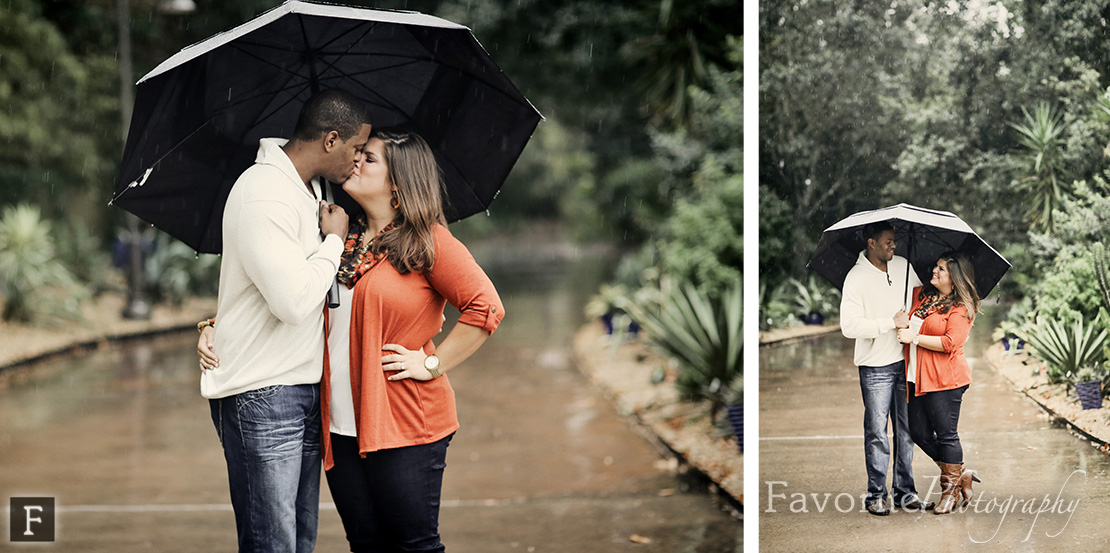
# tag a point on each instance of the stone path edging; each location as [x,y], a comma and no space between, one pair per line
[1025,375]
[623,374]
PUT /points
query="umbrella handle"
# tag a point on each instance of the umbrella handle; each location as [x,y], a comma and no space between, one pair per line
[333,295]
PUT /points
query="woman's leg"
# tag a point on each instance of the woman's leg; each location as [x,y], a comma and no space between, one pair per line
[921,427]
[405,485]
[943,410]
[350,489]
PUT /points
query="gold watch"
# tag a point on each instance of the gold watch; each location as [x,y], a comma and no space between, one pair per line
[431,363]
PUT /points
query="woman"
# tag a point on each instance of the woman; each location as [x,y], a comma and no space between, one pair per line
[389,410]
[937,372]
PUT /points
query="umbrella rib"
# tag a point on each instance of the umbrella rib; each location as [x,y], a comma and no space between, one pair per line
[135,183]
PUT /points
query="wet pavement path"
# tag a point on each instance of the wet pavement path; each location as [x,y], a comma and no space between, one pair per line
[1043,489]
[123,441]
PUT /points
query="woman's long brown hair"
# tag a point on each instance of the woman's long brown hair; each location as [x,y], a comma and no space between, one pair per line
[962,275]
[413,170]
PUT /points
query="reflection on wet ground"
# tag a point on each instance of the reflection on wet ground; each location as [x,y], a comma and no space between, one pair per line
[1042,487]
[123,440]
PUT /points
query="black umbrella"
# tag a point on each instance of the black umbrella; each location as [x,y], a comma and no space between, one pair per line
[199,115]
[921,235]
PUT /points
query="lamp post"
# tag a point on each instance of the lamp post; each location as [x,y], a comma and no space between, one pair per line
[137,306]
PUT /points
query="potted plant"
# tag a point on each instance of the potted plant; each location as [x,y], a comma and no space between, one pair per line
[1088,385]
[815,300]
[734,406]
[1005,334]
[604,305]
[703,331]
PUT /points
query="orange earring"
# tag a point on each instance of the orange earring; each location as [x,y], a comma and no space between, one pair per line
[395,203]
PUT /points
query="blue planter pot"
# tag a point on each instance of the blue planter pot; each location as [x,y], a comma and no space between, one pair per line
[814,319]
[607,322]
[736,417]
[1090,394]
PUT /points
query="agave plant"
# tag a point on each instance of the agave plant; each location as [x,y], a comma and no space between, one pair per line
[1066,348]
[174,271]
[1042,137]
[702,332]
[34,284]
[815,297]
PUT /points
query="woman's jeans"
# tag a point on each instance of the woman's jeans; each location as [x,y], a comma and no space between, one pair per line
[271,441]
[389,500]
[884,396]
[933,421]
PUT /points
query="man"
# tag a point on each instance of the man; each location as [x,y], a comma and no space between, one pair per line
[871,308]
[274,277]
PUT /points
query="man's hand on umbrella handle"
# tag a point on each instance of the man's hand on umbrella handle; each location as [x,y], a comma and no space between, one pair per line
[901,319]
[333,220]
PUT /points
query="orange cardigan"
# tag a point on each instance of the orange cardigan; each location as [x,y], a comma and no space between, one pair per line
[391,308]
[947,370]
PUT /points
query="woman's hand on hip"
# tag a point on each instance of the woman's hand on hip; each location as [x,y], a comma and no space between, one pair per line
[406,363]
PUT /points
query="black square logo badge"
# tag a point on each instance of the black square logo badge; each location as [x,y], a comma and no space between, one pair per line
[32,519]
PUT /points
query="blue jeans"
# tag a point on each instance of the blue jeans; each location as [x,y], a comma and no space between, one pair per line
[271,441]
[884,397]
[389,500]
[933,421]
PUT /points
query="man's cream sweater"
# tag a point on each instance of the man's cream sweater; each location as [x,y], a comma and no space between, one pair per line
[274,276]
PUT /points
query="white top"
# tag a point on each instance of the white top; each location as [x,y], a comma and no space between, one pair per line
[867,307]
[342,407]
[274,275]
[911,360]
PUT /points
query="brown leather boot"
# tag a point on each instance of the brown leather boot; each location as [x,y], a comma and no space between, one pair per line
[949,481]
[967,476]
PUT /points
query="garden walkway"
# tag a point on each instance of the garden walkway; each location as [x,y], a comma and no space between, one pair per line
[1043,488]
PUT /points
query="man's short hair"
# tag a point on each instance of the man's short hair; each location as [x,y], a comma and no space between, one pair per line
[872,231]
[331,110]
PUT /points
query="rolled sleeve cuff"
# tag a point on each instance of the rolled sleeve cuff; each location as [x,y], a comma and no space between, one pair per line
[486,318]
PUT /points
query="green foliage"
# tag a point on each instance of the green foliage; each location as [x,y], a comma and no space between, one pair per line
[1102,272]
[776,305]
[1066,346]
[60,124]
[675,58]
[703,332]
[173,271]
[1063,281]
[555,161]
[705,235]
[1069,289]
[36,287]
[1041,136]
[86,258]
[815,295]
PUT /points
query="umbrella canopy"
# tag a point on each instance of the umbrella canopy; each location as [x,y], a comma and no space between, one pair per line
[199,115]
[921,235]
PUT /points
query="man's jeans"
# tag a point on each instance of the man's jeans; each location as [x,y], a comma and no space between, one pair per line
[271,441]
[884,396]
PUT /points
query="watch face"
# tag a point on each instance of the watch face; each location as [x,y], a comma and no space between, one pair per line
[431,362]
